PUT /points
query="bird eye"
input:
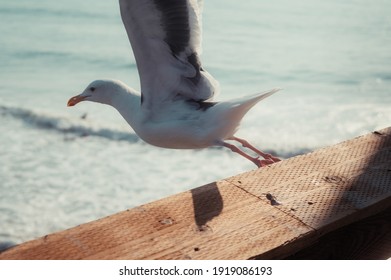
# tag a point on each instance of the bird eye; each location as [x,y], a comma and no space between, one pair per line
[92,88]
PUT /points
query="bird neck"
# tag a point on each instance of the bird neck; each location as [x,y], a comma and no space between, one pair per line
[128,102]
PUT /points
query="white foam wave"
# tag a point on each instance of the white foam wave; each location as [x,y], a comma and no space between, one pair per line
[80,127]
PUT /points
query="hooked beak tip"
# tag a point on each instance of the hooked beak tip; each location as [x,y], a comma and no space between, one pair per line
[74,100]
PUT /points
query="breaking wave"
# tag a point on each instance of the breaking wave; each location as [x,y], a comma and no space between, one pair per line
[80,127]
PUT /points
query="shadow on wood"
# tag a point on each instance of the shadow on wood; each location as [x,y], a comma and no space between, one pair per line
[370,237]
[207,203]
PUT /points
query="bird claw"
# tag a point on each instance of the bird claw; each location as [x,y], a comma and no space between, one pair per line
[267,158]
[270,157]
[263,162]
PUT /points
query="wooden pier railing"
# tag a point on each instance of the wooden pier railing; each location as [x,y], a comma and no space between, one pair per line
[316,205]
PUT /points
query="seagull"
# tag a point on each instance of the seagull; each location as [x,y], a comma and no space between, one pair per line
[176,108]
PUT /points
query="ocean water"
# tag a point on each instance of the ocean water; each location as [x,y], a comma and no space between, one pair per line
[60,167]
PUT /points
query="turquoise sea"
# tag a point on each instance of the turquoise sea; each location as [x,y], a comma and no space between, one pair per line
[60,167]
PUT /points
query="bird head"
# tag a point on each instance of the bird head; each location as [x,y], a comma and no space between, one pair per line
[100,91]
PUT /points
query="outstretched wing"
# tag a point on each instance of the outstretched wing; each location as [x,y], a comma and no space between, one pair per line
[166,39]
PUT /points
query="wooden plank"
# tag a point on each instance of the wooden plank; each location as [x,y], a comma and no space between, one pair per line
[367,239]
[271,212]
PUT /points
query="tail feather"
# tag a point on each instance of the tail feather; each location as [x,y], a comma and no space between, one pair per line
[240,106]
[232,112]
[263,95]
[246,103]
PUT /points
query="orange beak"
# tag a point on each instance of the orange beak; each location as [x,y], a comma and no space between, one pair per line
[76,99]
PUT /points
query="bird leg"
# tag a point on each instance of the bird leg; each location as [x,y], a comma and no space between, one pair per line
[251,147]
[258,162]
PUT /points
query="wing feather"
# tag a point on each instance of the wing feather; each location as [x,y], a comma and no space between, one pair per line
[165,36]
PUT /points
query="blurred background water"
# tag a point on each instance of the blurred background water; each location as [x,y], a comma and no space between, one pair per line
[60,166]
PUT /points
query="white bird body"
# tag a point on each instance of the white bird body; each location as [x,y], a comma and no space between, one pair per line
[175,108]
